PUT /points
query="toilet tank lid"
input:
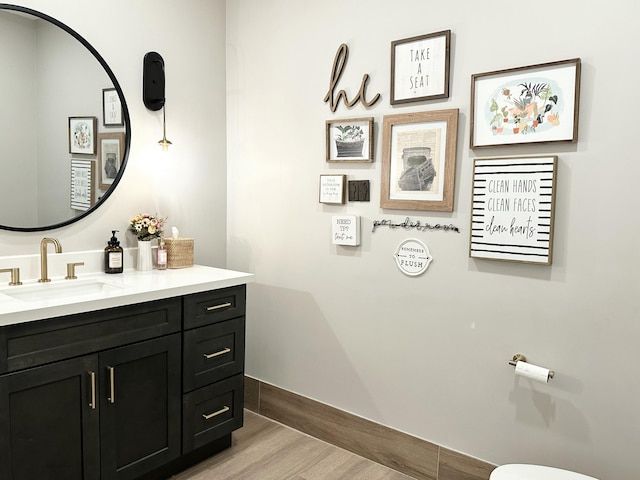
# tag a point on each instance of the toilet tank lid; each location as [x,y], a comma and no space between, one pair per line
[535,472]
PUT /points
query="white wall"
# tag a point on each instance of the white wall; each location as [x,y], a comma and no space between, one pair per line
[428,355]
[17,118]
[190,188]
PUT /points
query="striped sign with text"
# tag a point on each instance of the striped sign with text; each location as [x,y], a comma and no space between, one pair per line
[513,209]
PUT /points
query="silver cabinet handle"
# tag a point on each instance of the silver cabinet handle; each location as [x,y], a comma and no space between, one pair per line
[92,404]
[112,384]
[217,307]
[216,354]
[216,413]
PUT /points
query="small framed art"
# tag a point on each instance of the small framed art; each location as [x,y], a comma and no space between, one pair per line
[332,188]
[349,140]
[82,135]
[420,68]
[534,104]
[419,160]
[111,108]
[81,184]
[110,155]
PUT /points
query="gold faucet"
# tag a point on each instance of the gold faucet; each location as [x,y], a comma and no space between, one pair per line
[43,257]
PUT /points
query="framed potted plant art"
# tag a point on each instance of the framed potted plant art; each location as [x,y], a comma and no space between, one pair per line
[534,104]
[349,140]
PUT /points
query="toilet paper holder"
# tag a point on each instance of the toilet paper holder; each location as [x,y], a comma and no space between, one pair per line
[519,357]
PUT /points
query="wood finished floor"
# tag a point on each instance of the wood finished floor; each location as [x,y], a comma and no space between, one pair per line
[266,450]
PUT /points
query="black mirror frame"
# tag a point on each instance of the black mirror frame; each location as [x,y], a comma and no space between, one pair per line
[125,114]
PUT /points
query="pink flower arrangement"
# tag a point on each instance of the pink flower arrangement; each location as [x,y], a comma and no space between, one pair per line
[146,227]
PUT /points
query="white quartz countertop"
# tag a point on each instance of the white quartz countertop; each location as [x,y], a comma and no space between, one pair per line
[35,301]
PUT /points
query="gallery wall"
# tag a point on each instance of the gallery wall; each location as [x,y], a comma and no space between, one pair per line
[428,355]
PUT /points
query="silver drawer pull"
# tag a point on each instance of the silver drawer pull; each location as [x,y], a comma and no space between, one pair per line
[92,404]
[215,414]
[112,385]
[217,307]
[217,354]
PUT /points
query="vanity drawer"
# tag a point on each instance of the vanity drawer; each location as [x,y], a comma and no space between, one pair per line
[215,306]
[36,343]
[212,412]
[213,352]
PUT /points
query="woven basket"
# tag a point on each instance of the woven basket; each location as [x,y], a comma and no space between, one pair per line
[179,252]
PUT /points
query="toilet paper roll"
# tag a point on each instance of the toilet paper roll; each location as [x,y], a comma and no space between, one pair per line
[534,372]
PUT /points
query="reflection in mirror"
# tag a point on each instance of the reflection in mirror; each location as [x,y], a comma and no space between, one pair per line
[54,89]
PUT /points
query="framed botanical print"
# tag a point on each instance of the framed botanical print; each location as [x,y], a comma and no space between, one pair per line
[534,104]
[82,135]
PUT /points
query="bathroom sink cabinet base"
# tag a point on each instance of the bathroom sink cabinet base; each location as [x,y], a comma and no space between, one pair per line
[134,392]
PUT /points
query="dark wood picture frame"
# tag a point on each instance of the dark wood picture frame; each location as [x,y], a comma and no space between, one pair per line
[532,104]
[420,67]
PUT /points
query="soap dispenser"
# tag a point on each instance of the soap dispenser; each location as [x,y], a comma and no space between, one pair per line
[113,255]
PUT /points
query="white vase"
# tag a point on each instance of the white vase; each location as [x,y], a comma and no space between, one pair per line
[145,263]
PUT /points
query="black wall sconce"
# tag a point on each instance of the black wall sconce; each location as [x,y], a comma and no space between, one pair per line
[153,94]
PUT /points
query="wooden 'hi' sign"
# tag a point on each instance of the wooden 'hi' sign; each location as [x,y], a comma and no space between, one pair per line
[336,72]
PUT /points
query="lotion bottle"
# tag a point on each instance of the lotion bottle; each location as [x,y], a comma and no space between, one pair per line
[162,255]
[113,255]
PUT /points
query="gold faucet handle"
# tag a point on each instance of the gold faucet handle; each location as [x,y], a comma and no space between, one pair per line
[15,275]
[71,270]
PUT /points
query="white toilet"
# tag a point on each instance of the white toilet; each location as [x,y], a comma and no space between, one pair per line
[534,472]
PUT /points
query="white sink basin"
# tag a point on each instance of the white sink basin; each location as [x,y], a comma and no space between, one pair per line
[60,289]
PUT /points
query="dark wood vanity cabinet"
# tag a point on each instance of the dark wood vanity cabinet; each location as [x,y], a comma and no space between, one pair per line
[213,380]
[139,391]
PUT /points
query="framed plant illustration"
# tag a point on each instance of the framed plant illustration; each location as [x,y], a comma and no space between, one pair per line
[349,140]
[420,68]
[533,104]
[513,209]
[419,160]
[110,155]
[82,135]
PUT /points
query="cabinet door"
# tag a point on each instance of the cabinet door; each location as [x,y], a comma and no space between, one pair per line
[49,422]
[140,409]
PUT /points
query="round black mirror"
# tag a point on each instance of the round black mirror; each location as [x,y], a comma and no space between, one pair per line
[64,123]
